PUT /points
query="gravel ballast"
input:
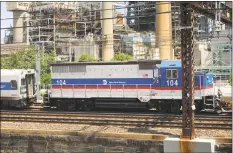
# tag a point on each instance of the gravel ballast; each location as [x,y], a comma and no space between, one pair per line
[115,129]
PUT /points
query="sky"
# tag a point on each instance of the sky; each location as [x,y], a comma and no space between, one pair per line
[5,23]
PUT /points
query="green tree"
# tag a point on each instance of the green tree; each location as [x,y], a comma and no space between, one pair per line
[26,59]
[85,57]
[121,57]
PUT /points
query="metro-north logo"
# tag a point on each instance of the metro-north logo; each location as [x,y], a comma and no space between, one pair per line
[105,82]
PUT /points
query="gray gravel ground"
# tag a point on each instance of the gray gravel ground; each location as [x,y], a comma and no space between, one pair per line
[116,129]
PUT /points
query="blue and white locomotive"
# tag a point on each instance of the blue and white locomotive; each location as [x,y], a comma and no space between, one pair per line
[154,84]
[17,88]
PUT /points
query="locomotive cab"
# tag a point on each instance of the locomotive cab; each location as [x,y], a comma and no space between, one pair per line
[168,79]
[168,82]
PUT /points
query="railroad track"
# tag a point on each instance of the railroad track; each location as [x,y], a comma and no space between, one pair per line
[117,119]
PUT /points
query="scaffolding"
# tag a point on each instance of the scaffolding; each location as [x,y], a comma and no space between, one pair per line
[51,22]
[87,17]
[61,25]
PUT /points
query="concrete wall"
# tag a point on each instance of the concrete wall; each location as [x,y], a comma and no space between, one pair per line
[13,6]
[202,55]
[31,141]
[137,44]
[88,48]
[25,143]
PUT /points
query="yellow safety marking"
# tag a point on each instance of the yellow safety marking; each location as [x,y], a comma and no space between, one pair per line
[185,145]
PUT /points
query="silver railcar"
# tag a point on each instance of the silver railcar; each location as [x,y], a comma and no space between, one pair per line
[17,87]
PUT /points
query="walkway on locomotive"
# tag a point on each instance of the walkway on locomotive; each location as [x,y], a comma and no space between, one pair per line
[159,81]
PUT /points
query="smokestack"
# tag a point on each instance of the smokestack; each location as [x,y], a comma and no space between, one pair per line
[164,30]
[107,31]
[18,22]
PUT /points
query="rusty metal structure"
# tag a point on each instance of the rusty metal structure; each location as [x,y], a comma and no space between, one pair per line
[187,29]
[187,59]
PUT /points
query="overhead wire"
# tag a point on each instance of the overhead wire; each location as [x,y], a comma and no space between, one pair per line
[99,19]
[141,10]
[86,11]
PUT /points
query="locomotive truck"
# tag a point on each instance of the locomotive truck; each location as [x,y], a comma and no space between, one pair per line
[152,84]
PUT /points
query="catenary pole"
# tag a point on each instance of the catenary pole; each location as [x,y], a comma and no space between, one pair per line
[187,59]
[38,72]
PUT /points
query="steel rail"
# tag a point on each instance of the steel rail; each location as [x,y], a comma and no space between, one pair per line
[110,113]
[121,116]
[115,122]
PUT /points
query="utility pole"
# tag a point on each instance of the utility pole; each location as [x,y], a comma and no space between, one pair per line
[187,59]
[231,57]
[70,56]
[38,72]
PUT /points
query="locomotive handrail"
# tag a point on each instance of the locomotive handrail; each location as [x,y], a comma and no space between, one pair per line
[98,90]
[73,90]
[123,91]
[62,88]
[98,84]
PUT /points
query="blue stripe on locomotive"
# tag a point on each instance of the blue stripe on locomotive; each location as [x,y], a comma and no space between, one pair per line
[115,81]
[125,81]
[6,86]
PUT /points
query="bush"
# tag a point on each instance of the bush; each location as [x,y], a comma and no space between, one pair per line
[121,57]
[85,57]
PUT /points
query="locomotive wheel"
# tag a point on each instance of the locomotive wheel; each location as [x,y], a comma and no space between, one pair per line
[72,106]
[87,106]
[159,106]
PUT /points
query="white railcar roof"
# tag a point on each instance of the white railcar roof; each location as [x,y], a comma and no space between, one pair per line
[16,72]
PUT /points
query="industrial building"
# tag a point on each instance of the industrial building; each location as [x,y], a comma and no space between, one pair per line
[73,28]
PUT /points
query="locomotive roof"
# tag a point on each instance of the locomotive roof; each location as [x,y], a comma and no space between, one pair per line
[109,63]
[171,64]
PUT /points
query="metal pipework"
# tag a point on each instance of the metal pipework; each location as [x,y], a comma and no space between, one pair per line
[107,31]
[164,30]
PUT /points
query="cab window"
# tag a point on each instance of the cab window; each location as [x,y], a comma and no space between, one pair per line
[172,74]
[13,84]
